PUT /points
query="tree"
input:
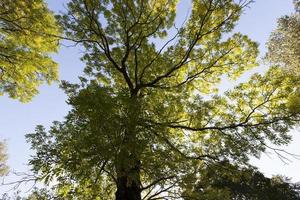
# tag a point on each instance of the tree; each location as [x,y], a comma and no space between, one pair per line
[224,181]
[146,116]
[284,44]
[40,194]
[284,49]
[3,158]
[36,194]
[15,196]
[26,30]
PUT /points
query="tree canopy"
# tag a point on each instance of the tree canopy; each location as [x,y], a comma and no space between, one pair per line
[147,114]
[26,28]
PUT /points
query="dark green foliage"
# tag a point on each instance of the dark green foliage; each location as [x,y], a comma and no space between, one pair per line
[223,181]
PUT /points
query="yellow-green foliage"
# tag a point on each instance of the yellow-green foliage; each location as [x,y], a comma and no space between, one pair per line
[26,30]
[144,116]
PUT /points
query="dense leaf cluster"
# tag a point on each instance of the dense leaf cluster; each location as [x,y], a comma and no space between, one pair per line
[224,181]
[26,30]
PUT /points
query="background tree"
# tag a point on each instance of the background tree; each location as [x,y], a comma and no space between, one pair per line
[15,196]
[25,45]
[41,194]
[146,116]
[3,158]
[284,44]
[36,194]
[284,49]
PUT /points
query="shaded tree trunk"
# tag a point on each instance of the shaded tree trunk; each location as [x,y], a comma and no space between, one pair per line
[128,164]
[127,189]
[128,184]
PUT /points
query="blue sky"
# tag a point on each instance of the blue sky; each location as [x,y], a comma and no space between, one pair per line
[18,119]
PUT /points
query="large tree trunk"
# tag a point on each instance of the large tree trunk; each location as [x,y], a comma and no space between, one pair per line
[127,190]
[128,164]
[128,184]
[128,173]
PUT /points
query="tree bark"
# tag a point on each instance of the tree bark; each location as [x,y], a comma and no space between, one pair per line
[127,190]
[128,184]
